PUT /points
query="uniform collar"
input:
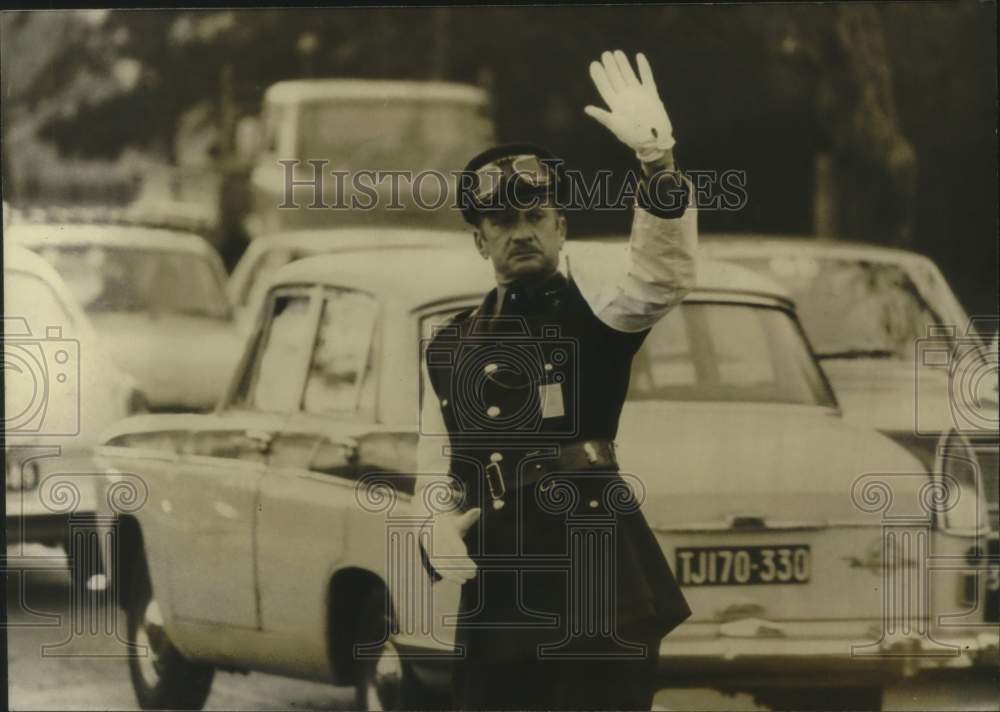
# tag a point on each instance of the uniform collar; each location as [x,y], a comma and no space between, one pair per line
[527,291]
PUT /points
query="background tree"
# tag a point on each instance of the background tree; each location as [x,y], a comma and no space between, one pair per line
[899,97]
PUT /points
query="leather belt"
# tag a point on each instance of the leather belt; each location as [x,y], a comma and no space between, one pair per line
[572,457]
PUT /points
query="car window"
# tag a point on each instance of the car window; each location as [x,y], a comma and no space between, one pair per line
[339,376]
[108,280]
[401,134]
[727,352]
[853,308]
[276,381]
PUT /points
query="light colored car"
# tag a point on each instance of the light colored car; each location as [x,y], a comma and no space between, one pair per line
[902,354]
[157,299]
[267,254]
[354,126]
[747,473]
[61,389]
[868,310]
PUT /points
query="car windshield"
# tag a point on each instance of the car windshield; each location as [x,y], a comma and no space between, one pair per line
[109,280]
[397,135]
[724,352]
[851,308]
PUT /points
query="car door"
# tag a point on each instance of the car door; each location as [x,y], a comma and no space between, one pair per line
[308,495]
[223,462]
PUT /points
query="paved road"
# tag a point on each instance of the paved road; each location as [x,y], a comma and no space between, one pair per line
[50,668]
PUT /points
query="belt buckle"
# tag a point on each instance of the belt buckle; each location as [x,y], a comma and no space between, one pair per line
[498,490]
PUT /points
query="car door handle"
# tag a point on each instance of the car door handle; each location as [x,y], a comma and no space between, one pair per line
[261,439]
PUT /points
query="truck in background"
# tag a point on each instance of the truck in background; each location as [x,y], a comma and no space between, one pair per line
[360,152]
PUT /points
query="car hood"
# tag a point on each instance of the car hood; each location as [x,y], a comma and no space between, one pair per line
[708,462]
[179,362]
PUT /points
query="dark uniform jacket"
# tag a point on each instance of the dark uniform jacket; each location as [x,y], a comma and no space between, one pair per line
[531,401]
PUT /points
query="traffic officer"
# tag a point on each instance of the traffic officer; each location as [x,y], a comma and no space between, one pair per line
[565,592]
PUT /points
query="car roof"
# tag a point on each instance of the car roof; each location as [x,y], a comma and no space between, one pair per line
[16,257]
[110,235]
[298,90]
[723,245]
[421,276]
[21,259]
[332,239]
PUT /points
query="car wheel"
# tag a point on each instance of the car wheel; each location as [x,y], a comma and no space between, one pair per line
[862,699]
[384,680]
[161,676]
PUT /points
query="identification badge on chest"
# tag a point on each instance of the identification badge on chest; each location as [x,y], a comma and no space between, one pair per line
[551,397]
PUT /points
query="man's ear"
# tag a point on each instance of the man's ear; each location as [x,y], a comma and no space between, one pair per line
[477,235]
[561,226]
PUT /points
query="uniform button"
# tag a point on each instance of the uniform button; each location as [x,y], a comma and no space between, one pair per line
[490,368]
[548,367]
[594,503]
[444,402]
[495,457]
[493,411]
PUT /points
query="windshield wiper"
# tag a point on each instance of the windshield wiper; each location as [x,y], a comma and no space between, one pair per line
[857,354]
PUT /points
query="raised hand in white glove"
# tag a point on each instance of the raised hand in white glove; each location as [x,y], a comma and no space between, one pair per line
[447,551]
[637,115]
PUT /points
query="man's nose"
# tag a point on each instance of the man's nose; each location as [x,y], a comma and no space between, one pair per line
[523,231]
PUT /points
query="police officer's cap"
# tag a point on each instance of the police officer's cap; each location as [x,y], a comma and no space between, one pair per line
[506,175]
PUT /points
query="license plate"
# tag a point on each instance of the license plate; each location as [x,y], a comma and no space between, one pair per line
[743,565]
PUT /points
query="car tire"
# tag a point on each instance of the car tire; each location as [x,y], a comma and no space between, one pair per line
[383,679]
[162,677]
[861,698]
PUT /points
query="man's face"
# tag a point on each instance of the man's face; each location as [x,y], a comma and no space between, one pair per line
[522,243]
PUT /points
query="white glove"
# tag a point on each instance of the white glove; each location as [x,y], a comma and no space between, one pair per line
[448,553]
[637,116]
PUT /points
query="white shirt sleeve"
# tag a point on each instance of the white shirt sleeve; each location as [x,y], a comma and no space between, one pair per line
[657,272]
